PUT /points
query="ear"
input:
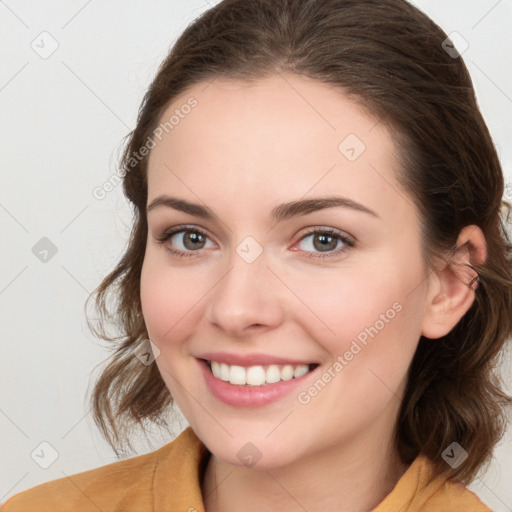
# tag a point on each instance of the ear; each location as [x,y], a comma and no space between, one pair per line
[452,288]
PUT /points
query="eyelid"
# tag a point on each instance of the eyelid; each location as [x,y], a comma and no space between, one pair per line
[328,230]
[170,232]
[309,230]
[348,240]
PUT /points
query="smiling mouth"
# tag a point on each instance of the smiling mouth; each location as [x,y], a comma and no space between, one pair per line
[258,375]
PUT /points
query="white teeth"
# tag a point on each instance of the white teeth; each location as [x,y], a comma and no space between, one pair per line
[273,374]
[287,372]
[257,375]
[224,372]
[237,375]
[300,370]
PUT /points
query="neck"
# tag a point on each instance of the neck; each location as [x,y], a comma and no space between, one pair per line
[341,478]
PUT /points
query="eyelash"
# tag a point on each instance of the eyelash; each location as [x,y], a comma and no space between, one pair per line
[349,243]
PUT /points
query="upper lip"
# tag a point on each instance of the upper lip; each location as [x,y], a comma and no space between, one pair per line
[250,359]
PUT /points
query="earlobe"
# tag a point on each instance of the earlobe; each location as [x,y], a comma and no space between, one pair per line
[452,288]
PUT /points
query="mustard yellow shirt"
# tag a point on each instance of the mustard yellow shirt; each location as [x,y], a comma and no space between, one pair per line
[169,480]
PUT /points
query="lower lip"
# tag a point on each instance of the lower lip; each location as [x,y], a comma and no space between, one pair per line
[249,396]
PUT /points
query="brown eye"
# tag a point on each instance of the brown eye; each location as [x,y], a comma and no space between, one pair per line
[323,242]
[193,240]
[184,242]
[326,241]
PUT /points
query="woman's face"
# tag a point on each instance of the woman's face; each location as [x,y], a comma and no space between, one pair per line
[249,286]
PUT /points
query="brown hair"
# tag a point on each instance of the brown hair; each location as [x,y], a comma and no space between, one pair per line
[389,57]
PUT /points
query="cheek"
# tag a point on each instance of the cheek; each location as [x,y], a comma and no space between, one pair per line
[376,330]
[170,299]
[372,314]
[342,304]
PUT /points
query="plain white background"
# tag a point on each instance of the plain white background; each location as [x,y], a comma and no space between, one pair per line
[64,116]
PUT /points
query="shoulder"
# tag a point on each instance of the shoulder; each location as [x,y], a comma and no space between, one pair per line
[458,497]
[421,490]
[123,485]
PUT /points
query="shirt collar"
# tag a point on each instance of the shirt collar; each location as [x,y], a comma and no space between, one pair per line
[178,475]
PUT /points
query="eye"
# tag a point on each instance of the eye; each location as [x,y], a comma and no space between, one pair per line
[187,240]
[328,242]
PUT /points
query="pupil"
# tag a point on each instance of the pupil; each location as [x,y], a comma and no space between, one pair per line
[192,237]
[324,239]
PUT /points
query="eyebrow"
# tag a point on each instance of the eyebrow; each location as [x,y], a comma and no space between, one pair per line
[280,213]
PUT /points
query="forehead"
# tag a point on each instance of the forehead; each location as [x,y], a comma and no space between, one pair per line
[297,108]
[283,135]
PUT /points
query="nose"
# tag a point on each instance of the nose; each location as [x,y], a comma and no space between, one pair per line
[247,299]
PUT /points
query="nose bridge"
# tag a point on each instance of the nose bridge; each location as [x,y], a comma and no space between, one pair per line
[247,294]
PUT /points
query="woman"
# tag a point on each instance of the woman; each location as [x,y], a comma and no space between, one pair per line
[320,262]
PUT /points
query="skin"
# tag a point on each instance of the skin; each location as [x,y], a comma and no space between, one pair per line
[241,151]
